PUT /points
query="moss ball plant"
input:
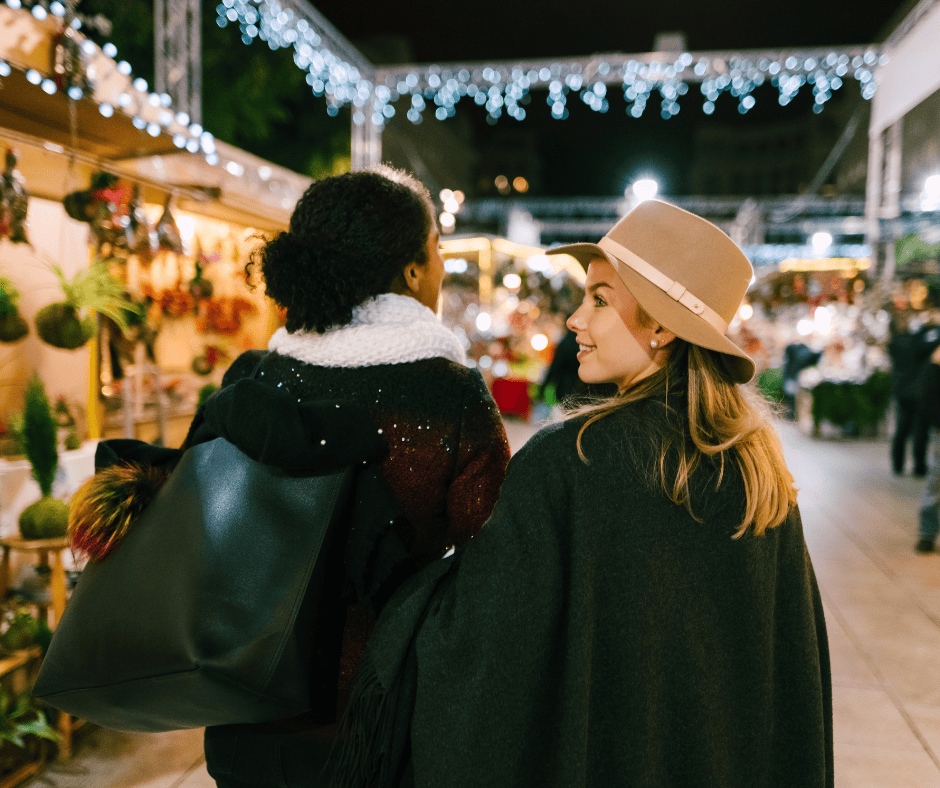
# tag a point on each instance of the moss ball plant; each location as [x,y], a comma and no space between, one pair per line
[68,324]
[48,517]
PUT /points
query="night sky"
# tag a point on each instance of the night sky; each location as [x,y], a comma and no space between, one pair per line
[507,29]
[592,153]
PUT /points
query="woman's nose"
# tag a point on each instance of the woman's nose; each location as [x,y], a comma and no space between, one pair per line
[574,322]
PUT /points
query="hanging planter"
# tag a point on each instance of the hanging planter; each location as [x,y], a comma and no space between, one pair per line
[12,325]
[67,324]
[105,206]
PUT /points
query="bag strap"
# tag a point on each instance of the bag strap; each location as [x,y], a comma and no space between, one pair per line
[257,366]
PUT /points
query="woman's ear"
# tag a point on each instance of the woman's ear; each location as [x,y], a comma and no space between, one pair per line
[413,274]
[663,336]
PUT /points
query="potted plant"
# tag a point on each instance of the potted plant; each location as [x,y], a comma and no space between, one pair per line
[47,517]
[24,630]
[68,324]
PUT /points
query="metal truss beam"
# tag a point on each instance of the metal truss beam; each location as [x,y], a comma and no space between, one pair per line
[330,37]
[178,54]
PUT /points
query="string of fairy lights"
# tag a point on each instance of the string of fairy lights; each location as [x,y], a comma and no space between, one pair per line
[375,94]
[113,86]
[504,88]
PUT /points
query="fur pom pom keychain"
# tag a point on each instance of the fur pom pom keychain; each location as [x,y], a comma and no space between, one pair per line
[105,507]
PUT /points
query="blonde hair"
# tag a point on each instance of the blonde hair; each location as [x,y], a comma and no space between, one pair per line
[724,420]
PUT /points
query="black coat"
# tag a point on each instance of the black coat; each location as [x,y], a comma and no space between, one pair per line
[595,634]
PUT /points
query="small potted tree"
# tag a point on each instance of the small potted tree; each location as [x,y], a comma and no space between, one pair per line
[47,517]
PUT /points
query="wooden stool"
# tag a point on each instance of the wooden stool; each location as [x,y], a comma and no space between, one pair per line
[42,548]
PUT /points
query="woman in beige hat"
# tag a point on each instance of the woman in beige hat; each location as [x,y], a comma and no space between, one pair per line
[640,609]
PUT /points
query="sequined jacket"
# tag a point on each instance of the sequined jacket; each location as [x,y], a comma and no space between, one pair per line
[446,458]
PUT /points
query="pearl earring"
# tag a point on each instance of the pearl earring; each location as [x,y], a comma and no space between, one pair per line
[654,343]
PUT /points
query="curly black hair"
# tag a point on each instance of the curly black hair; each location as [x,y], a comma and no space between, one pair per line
[350,238]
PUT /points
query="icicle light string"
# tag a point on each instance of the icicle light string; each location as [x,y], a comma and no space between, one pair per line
[498,87]
[502,87]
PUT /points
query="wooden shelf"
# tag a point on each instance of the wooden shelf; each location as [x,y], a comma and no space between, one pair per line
[18,659]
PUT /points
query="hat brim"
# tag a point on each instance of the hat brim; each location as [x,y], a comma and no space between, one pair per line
[667,312]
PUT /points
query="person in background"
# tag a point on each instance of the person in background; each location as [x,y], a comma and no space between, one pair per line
[796,357]
[908,351]
[929,512]
[562,372]
[641,608]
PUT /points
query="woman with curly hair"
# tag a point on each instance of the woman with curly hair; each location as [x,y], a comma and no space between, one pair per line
[359,273]
[640,609]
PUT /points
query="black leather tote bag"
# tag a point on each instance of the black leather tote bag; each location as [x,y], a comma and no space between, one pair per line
[202,614]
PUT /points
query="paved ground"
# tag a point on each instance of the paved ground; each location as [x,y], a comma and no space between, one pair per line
[883,613]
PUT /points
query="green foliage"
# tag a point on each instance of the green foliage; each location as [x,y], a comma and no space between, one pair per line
[25,630]
[9,296]
[39,435]
[853,405]
[13,436]
[60,326]
[95,288]
[770,384]
[912,248]
[47,518]
[205,392]
[21,717]
[12,325]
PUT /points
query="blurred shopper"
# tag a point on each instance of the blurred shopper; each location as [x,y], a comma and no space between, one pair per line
[640,609]
[930,413]
[796,357]
[359,273]
[562,373]
[908,351]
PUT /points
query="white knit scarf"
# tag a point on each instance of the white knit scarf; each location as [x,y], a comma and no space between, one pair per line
[387,329]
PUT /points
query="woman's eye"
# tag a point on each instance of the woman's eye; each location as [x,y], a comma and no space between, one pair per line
[598,301]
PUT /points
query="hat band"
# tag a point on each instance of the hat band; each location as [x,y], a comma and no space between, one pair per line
[670,287]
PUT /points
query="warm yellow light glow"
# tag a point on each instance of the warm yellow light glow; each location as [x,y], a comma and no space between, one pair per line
[520,184]
[746,311]
[825,264]
[539,342]
[486,247]
[512,281]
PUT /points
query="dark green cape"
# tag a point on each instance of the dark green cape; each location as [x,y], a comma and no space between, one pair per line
[595,634]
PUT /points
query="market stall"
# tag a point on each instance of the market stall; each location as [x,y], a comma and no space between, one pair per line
[508,303]
[124,233]
[109,174]
[819,347]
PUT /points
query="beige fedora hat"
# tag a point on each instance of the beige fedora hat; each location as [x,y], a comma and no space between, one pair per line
[685,272]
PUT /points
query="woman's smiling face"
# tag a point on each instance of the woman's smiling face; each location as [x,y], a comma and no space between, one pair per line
[614,334]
